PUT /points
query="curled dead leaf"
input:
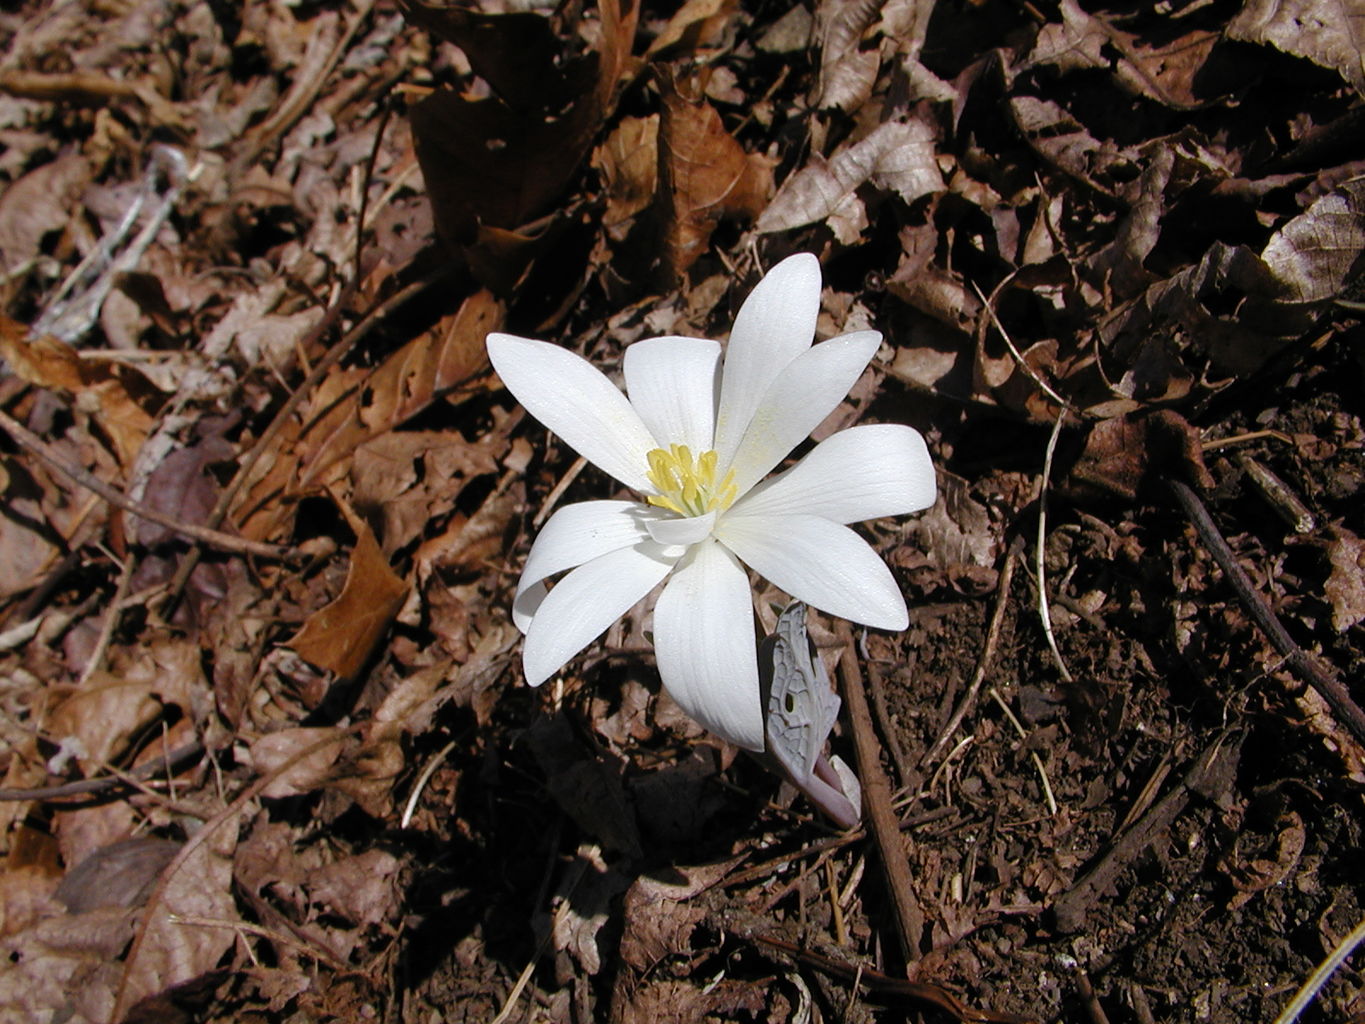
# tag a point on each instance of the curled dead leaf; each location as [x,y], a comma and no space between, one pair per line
[341,636]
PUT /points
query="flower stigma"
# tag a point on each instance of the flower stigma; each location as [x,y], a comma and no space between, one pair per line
[686,487]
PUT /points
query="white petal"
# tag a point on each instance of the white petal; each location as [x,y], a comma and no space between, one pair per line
[576,534]
[585,602]
[802,395]
[774,326]
[682,530]
[822,563]
[575,400]
[704,643]
[865,472]
[673,384]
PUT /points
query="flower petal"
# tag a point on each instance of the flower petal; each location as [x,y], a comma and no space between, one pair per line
[820,562]
[588,600]
[672,383]
[575,400]
[774,326]
[802,395]
[576,534]
[704,643]
[865,472]
[682,530]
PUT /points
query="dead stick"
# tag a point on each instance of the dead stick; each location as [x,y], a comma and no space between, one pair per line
[1303,665]
[877,803]
[79,475]
[82,787]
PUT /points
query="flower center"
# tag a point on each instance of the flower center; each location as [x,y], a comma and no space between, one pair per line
[685,486]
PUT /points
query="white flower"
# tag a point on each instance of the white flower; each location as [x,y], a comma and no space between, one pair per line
[696,437]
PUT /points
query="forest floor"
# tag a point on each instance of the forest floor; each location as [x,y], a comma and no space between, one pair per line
[267,750]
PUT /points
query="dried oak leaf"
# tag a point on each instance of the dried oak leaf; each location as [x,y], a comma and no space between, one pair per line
[705,175]
[341,636]
[1330,36]
[897,156]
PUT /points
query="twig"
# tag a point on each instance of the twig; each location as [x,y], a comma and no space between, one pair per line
[1044,612]
[1089,1000]
[983,664]
[1304,666]
[111,620]
[79,475]
[171,762]
[422,780]
[1314,984]
[877,802]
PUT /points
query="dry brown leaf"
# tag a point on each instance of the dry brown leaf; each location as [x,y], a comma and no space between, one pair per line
[705,176]
[187,926]
[696,23]
[898,156]
[26,549]
[847,70]
[1330,36]
[1318,252]
[659,919]
[583,905]
[104,715]
[1165,73]
[310,771]
[351,407]
[629,164]
[502,161]
[120,874]
[360,889]
[37,204]
[118,394]
[341,636]
[1345,587]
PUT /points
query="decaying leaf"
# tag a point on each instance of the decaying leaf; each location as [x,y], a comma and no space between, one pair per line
[118,395]
[188,922]
[629,162]
[1331,37]
[897,156]
[705,175]
[501,161]
[341,636]
[300,760]
[848,68]
[1316,254]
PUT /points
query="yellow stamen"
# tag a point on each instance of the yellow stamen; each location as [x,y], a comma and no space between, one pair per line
[687,486]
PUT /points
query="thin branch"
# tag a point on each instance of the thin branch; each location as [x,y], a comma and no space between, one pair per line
[79,475]
[1303,665]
